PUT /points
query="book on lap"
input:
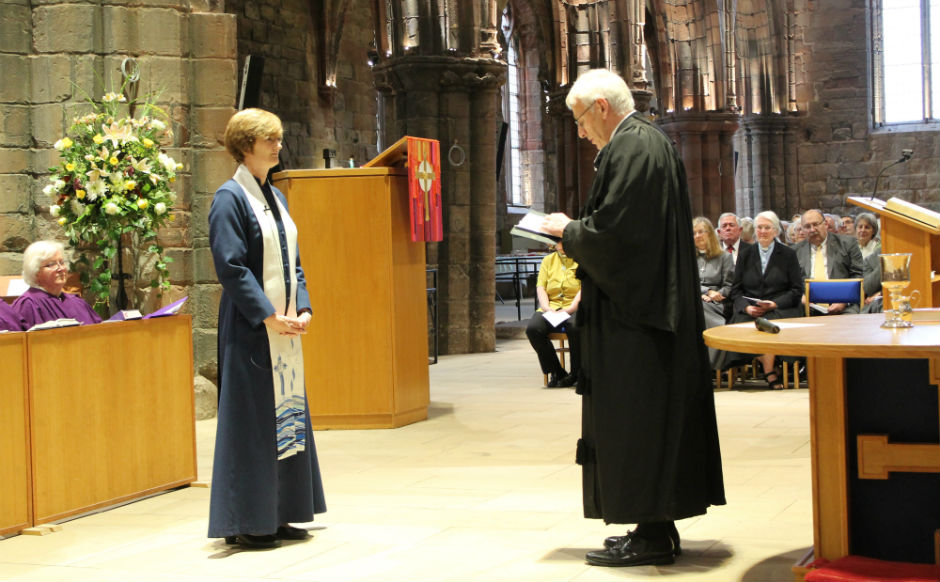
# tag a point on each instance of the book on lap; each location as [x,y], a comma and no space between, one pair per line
[556,318]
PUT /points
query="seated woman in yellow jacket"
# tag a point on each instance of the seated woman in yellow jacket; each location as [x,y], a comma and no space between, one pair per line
[558,290]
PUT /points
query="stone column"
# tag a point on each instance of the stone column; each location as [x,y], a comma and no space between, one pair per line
[767,177]
[454,100]
[704,141]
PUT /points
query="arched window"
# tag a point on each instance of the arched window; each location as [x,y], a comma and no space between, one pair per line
[514,188]
[906,61]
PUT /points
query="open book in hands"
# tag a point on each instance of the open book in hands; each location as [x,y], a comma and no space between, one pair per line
[530,226]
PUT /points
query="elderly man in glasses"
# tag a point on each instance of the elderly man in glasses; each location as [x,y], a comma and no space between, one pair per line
[649,441]
[827,255]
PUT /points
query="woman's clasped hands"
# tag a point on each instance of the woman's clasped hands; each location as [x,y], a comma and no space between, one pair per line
[291,326]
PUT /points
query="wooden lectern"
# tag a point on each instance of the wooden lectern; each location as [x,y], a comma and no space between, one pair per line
[901,233]
[366,349]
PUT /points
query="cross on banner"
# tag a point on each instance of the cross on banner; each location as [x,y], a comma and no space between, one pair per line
[423,158]
[424,189]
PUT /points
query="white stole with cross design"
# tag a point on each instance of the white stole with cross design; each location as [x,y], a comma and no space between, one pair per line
[287,359]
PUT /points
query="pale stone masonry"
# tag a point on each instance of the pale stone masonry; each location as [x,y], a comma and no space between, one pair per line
[54,55]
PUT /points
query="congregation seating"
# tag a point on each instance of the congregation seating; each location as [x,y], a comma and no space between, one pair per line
[833,291]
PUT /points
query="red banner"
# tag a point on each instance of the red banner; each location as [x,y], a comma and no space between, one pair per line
[424,189]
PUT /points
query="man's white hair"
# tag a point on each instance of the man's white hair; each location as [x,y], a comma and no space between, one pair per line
[601,83]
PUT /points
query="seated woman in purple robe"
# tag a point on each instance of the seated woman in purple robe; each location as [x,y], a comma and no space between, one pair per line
[9,319]
[45,271]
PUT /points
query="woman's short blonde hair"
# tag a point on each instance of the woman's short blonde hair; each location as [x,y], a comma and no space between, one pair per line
[712,248]
[35,255]
[246,126]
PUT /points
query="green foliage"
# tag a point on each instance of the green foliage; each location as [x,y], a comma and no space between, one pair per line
[114,180]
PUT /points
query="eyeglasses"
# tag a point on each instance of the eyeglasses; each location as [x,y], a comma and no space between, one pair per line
[577,119]
[54,265]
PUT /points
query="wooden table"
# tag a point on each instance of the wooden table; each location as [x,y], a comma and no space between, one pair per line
[864,379]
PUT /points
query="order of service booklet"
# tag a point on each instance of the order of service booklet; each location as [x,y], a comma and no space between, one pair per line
[530,226]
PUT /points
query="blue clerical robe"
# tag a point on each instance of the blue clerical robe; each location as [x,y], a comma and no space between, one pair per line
[252,492]
[36,305]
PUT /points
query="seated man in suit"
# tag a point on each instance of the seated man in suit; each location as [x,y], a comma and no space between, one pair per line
[826,255]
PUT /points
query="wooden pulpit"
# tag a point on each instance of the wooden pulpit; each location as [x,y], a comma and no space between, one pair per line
[366,348]
[906,228]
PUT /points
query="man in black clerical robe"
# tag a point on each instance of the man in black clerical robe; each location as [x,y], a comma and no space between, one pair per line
[649,447]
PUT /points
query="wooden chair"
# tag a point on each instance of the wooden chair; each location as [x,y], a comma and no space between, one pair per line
[739,371]
[561,350]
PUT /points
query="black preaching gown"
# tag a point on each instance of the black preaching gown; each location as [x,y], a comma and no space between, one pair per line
[649,446]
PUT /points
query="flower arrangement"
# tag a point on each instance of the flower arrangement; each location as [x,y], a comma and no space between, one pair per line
[113,186]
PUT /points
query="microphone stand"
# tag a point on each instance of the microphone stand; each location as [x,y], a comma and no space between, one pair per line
[905,155]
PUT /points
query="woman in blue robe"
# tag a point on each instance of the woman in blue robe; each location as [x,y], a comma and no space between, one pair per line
[265,473]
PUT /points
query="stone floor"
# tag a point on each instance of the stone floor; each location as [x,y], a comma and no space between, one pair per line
[485,489]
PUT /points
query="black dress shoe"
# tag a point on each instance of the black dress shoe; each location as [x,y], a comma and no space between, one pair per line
[568,381]
[253,542]
[289,532]
[634,551]
[673,536]
[555,380]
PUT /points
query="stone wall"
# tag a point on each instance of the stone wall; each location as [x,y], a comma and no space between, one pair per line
[54,55]
[315,117]
[838,152]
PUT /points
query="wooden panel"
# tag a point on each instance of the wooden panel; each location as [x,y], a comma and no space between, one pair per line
[365,353]
[15,511]
[827,436]
[877,458]
[410,309]
[924,247]
[900,234]
[112,413]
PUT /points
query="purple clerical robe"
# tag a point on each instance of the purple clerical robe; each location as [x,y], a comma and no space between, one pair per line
[38,306]
[9,319]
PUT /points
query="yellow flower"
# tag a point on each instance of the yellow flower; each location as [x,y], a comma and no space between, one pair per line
[62,220]
[130,185]
[148,142]
[80,194]
[142,204]
[97,139]
[172,179]
[172,217]
[113,161]
[70,167]
[66,143]
[179,166]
